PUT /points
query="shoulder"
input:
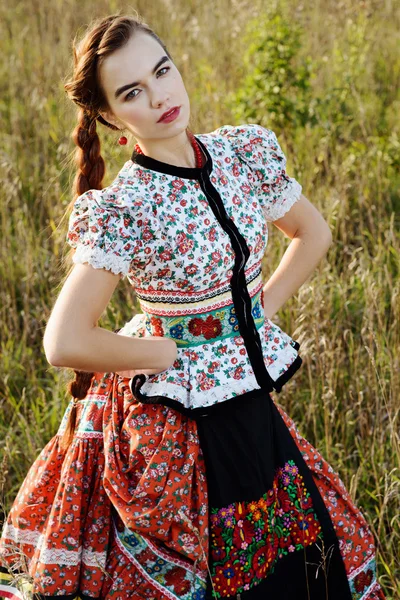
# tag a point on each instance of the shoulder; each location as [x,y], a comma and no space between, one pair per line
[123,194]
[120,209]
[113,228]
[244,132]
[252,143]
[240,136]
[260,154]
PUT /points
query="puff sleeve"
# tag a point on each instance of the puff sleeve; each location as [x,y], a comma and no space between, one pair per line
[109,229]
[260,149]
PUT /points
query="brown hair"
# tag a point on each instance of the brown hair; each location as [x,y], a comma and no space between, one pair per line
[102,38]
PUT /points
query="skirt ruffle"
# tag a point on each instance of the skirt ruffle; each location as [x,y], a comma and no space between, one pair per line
[124,511]
[132,484]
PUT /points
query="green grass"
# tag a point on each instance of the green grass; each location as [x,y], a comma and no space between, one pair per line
[340,130]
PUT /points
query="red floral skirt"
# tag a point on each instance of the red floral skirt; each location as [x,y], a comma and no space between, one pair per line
[147,503]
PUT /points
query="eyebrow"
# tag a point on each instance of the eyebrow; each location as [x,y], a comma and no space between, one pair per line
[122,89]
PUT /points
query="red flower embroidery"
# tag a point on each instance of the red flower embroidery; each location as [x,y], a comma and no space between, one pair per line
[244,532]
[363,580]
[211,328]
[156,324]
[195,326]
[176,579]
[305,529]
[229,578]
[218,554]
[263,559]
[258,532]
[283,500]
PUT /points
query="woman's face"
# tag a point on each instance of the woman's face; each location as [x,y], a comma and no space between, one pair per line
[138,107]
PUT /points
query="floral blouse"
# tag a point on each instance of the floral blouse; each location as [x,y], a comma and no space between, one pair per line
[191,241]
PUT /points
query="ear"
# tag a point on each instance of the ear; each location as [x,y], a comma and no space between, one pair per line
[109,117]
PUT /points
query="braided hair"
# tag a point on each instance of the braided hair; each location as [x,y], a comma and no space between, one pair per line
[101,39]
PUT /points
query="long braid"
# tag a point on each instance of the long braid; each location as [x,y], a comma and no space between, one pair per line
[91,166]
[104,37]
[89,175]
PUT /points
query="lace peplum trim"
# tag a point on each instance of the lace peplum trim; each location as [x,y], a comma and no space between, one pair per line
[210,373]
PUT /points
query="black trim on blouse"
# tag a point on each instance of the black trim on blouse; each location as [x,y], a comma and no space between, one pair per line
[193,413]
[240,295]
[238,285]
[162,167]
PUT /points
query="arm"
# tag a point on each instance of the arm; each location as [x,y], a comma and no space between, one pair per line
[311,238]
[73,339]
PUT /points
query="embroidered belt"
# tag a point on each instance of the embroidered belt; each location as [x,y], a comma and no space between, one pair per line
[193,330]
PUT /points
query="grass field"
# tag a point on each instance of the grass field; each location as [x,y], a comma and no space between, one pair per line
[324,75]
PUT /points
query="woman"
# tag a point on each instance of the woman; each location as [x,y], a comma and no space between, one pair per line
[174,474]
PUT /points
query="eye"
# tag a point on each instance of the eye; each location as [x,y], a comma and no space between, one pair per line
[163,69]
[128,96]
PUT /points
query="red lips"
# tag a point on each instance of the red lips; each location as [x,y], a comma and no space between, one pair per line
[168,113]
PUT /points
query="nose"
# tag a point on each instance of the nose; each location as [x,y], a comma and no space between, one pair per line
[159,99]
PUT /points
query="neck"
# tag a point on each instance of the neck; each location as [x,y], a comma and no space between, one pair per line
[176,151]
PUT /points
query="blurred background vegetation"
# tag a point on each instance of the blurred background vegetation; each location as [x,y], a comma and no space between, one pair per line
[324,75]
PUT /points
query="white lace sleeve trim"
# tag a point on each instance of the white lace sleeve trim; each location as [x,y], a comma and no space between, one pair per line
[291,194]
[99,259]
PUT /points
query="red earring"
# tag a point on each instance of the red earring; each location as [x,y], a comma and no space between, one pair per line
[123,140]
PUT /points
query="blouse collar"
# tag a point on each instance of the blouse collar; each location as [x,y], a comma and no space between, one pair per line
[184,172]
